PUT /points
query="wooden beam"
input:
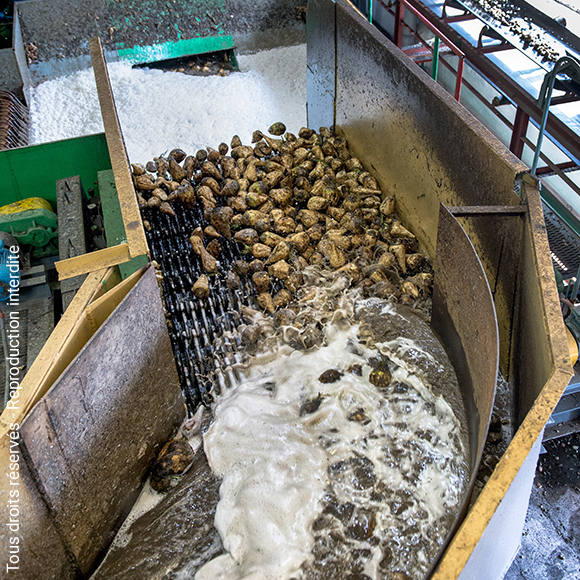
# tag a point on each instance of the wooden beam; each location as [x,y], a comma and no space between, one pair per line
[92,261]
[119,161]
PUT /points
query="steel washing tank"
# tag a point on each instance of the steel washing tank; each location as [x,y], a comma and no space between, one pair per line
[426,149]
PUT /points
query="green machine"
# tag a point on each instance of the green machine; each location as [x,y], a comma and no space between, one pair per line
[33,223]
[36,171]
[28,177]
[573,323]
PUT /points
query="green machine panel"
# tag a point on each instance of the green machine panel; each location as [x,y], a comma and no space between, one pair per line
[36,227]
[33,171]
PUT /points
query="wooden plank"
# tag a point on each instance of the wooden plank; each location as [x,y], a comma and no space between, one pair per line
[113,218]
[71,232]
[93,261]
[111,208]
[99,310]
[93,436]
[136,242]
[34,384]
[119,160]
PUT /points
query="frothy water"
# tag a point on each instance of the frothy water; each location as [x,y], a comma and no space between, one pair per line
[344,477]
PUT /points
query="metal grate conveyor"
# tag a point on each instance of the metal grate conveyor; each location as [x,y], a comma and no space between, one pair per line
[202,332]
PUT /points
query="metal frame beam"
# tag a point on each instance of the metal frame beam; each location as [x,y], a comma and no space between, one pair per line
[560,132]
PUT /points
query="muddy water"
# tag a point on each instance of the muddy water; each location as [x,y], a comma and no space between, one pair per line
[346,459]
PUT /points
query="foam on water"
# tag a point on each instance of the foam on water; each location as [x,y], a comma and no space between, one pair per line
[371,471]
[160,111]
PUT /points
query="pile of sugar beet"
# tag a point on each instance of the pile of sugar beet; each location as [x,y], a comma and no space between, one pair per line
[289,201]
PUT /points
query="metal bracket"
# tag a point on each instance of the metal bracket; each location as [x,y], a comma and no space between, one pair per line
[568,66]
[495,210]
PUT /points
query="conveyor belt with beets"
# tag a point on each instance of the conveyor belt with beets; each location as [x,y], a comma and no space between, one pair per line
[194,326]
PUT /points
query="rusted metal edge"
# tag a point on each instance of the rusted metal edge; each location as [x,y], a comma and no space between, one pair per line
[79,323]
[134,231]
[88,481]
[492,210]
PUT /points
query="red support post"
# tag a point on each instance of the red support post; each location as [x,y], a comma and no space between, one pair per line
[570,165]
[399,17]
[519,132]
[459,78]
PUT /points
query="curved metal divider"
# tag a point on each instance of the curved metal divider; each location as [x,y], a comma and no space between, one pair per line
[465,320]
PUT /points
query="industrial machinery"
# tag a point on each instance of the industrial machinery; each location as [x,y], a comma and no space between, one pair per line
[13,121]
[422,145]
[566,416]
[494,57]
[33,223]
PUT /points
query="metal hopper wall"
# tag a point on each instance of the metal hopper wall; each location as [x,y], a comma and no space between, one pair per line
[86,447]
[425,148]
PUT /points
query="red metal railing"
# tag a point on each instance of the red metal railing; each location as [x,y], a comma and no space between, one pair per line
[399,24]
[563,137]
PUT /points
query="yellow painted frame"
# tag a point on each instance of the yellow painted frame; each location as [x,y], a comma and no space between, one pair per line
[136,241]
[99,295]
[548,323]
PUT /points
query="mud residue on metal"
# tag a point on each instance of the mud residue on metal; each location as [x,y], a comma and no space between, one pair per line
[175,537]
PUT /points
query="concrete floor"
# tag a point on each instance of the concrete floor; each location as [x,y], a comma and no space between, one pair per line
[550,546]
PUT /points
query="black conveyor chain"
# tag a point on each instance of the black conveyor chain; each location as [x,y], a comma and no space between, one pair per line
[196,326]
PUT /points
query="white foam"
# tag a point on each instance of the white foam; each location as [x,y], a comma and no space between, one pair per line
[160,111]
[275,469]
[273,477]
